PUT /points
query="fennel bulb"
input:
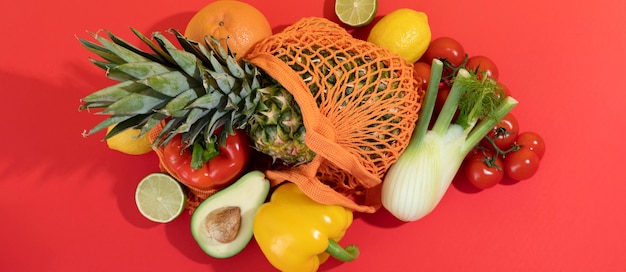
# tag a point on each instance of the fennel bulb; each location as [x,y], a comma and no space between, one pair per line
[416,183]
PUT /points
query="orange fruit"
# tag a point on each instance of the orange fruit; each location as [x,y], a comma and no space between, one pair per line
[236,23]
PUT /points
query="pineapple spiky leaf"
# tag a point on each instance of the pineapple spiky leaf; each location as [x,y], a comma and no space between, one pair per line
[164,137]
[161,56]
[104,53]
[109,94]
[127,55]
[215,47]
[152,122]
[224,81]
[170,83]
[186,61]
[139,70]
[191,46]
[135,103]
[177,107]
[111,72]
[234,68]
[195,131]
[126,124]
[113,120]
[208,101]
[194,115]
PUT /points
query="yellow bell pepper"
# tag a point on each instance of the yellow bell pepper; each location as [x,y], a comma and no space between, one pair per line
[297,234]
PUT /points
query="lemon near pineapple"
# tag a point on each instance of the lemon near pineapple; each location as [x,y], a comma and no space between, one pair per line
[404,31]
[129,142]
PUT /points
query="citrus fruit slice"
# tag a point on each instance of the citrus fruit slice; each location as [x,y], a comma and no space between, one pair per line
[160,198]
[356,12]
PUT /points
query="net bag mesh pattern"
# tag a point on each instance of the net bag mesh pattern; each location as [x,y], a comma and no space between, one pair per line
[359,104]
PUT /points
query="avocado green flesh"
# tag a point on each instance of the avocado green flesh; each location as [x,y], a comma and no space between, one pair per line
[247,193]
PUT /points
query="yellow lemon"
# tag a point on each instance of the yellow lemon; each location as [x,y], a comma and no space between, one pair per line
[404,31]
[129,142]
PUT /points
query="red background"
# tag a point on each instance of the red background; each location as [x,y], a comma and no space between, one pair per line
[67,203]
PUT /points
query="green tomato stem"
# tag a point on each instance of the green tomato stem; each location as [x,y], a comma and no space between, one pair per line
[350,253]
[499,151]
[201,154]
[483,127]
[197,156]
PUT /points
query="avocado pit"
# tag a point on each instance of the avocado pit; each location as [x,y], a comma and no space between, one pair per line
[222,224]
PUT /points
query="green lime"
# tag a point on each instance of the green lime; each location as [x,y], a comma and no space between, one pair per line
[160,198]
[356,12]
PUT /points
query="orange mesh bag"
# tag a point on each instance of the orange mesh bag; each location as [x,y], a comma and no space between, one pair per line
[359,104]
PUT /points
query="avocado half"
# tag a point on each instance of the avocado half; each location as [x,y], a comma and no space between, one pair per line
[248,193]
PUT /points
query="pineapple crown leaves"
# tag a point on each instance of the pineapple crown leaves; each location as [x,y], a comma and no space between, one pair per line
[193,90]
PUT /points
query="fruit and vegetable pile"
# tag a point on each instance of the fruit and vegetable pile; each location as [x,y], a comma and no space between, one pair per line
[271,135]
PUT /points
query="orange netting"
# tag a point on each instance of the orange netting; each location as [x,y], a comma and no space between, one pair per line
[359,105]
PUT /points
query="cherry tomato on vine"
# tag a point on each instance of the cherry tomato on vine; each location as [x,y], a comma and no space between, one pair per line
[532,141]
[445,48]
[503,134]
[442,95]
[505,89]
[484,170]
[482,65]
[421,72]
[521,164]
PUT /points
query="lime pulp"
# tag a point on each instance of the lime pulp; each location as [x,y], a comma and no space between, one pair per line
[356,12]
[160,198]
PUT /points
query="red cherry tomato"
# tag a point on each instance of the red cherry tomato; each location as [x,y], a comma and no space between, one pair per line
[505,89]
[532,141]
[482,65]
[483,170]
[445,48]
[521,164]
[442,95]
[503,134]
[421,72]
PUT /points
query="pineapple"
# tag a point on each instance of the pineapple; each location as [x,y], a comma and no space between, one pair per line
[195,90]
[277,129]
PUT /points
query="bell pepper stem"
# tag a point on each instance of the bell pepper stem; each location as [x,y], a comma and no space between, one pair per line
[201,154]
[196,156]
[350,253]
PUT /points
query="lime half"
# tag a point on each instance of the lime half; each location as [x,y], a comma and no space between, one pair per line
[356,12]
[160,198]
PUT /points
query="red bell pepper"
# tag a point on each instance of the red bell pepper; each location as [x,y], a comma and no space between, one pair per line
[220,170]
